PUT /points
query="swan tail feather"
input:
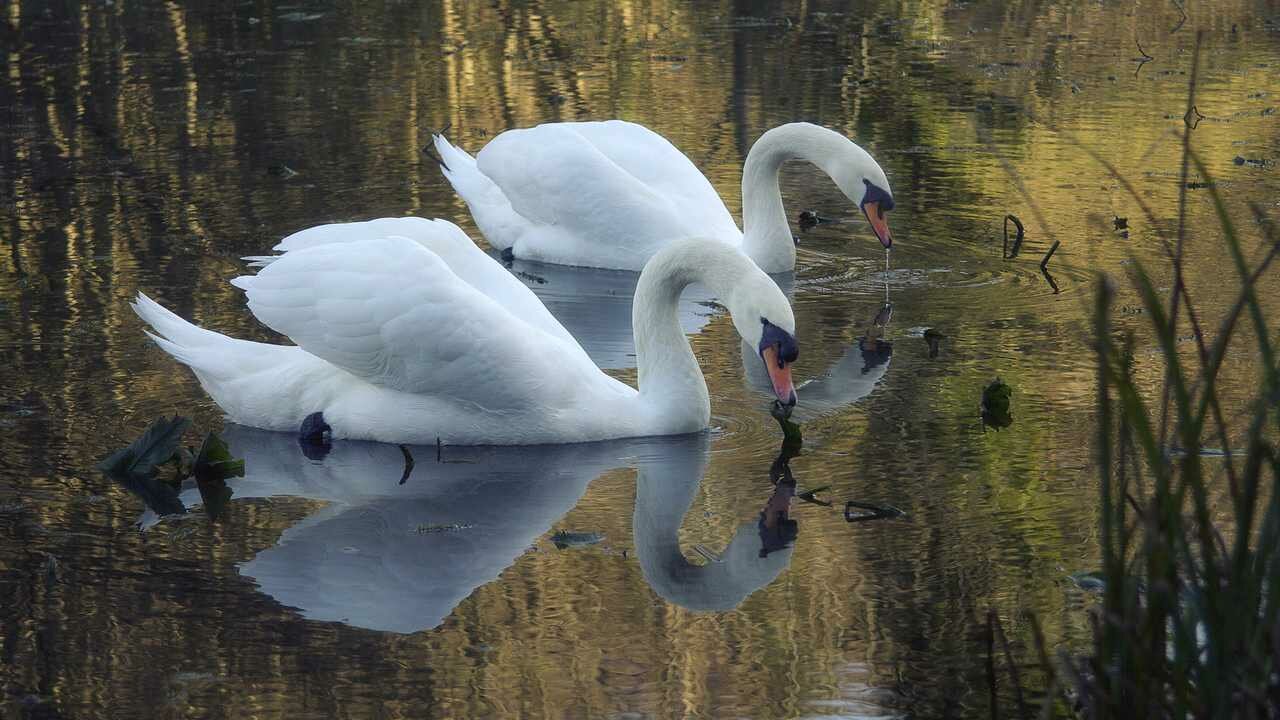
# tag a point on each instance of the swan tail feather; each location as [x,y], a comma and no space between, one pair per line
[492,211]
[214,357]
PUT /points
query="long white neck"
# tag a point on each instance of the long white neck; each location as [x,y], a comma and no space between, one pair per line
[671,385]
[766,234]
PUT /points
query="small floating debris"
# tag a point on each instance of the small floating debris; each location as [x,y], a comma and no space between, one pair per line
[429,528]
[1202,452]
[811,496]
[1193,117]
[1121,223]
[1089,581]
[531,277]
[884,315]
[282,171]
[299,16]
[809,220]
[564,539]
[996,411]
[869,512]
[934,339]
[1250,162]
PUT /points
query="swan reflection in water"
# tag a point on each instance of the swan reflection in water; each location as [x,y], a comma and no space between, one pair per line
[399,557]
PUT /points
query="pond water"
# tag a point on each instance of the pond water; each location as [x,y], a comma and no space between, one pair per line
[147,146]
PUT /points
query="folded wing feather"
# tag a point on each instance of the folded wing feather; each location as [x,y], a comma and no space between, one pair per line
[392,312]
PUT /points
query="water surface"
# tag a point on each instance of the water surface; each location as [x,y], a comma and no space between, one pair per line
[148,145]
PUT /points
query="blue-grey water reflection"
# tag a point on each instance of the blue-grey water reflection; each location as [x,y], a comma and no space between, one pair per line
[399,556]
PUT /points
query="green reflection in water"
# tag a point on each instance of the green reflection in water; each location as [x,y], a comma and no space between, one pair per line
[145,146]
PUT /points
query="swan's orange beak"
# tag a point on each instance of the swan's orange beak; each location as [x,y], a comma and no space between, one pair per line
[780,374]
[879,225]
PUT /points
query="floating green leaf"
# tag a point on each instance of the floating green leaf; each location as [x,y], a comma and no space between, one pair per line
[214,461]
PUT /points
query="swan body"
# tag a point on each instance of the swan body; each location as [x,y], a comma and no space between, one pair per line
[612,194]
[411,334]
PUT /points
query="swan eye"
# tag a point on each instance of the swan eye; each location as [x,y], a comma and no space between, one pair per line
[781,341]
[875,194]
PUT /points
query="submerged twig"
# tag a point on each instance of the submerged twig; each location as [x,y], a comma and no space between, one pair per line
[1017,241]
[430,151]
[1044,267]
[1181,22]
[1141,60]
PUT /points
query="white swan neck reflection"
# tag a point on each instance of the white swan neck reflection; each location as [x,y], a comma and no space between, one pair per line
[399,558]
[758,552]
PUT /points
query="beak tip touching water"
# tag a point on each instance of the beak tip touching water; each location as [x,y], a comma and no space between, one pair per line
[879,225]
[780,377]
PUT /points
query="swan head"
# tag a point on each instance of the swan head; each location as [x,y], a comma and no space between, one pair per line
[764,319]
[863,181]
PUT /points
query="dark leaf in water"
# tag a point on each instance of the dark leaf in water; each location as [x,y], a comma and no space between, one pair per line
[215,494]
[564,540]
[156,446]
[996,411]
[160,496]
[1090,581]
[870,512]
[934,339]
[214,461]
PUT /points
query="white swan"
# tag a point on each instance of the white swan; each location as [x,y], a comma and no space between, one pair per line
[611,194]
[418,335]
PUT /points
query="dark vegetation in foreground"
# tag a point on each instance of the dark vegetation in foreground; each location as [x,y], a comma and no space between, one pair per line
[1189,621]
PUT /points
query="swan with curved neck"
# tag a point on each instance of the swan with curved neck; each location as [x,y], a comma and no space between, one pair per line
[417,335]
[611,194]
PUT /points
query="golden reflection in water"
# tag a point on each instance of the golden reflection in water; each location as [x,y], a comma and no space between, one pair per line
[150,161]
